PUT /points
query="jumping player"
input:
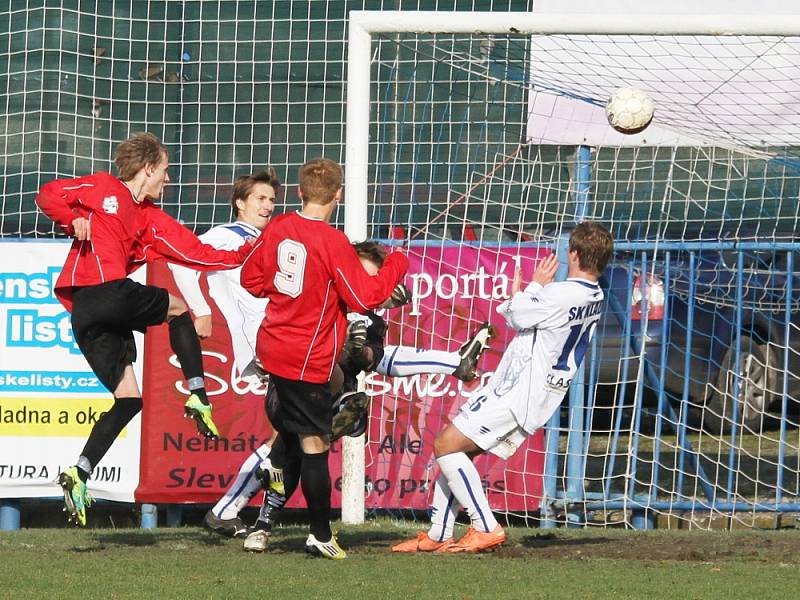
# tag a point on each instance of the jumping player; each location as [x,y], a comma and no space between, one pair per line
[117,228]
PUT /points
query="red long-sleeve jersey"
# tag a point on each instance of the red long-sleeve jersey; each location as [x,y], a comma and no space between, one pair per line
[124,234]
[312,275]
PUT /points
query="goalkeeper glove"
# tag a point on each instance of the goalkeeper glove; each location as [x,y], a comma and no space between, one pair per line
[401,295]
[356,338]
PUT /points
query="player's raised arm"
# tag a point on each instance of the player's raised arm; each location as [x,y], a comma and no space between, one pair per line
[188,282]
[529,307]
[59,200]
[168,239]
[359,290]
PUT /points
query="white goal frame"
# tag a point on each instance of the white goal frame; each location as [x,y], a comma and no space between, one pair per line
[363,24]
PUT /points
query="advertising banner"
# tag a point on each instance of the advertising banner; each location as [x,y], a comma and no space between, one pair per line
[456,288]
[178,465]
[49,396]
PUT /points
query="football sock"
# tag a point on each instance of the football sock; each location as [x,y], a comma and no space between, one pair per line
[273,501]
[278,453]
[466,486]
[244,487]
[84,468]
[444,511]
[106,429]
[186,345]
[316,483]
[401,361]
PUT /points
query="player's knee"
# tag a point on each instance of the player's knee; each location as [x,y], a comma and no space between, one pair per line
[440,445]
[176,307]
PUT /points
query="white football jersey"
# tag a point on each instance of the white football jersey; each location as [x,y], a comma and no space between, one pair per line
[242,311]
[554,326]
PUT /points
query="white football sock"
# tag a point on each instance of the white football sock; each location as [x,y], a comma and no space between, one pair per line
[465,483]
[400,361]
[444,511]
[245,486]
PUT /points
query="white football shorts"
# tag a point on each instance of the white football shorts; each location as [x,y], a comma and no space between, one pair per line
[488,421]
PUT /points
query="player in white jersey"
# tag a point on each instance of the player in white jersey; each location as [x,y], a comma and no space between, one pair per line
[253,201]
[554,323]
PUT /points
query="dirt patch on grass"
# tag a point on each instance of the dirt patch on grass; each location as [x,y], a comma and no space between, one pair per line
[699,546]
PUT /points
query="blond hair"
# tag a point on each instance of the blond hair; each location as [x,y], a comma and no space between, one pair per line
[138,151]
[320,180]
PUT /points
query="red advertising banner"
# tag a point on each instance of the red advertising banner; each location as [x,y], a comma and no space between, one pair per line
[177,464]
[456,288]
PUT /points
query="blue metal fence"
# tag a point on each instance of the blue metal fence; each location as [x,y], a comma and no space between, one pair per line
[660,365]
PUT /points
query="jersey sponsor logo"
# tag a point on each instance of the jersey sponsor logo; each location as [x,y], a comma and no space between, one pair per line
[110,205]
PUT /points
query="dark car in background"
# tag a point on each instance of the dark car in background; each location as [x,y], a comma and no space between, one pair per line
[689,314]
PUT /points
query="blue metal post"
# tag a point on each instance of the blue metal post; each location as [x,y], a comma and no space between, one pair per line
[737,383]
[662,375]
[687,371]
[149,516]
[583,182]
[627,342]
[554,424]
[787,325]
[9,515]
[576,458]
[174,515]
[630,482]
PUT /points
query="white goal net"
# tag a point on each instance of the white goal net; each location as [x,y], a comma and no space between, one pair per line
[482,144]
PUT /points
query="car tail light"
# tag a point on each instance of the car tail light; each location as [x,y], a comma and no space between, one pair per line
[654,294]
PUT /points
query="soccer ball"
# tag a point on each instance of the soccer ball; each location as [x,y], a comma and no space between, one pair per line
[629,110]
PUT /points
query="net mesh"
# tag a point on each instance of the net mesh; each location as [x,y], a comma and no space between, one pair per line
[479,159]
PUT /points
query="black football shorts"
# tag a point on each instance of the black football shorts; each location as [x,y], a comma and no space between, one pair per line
[104,317]
[299,406]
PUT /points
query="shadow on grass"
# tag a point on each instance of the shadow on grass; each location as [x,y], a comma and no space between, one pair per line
[157,537]
[551,540]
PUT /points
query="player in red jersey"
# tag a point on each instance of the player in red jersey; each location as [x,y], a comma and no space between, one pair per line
[117,229]
[312,275]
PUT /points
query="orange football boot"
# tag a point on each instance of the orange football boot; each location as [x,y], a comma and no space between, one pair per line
[422,543]
[479,541]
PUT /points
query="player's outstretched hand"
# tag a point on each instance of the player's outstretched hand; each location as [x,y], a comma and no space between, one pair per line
[401,296]
[546,270]
[516,283]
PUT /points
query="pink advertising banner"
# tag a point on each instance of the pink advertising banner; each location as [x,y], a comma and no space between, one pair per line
[456,288]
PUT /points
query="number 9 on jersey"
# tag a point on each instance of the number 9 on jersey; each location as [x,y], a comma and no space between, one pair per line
[291,267]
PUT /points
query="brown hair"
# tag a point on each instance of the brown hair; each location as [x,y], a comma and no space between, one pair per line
[138,151]
[594,246]
[372,251]
[319,180]
[242,186]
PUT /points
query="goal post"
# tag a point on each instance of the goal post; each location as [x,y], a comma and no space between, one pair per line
[705,141]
